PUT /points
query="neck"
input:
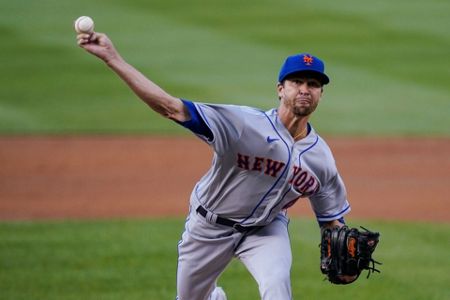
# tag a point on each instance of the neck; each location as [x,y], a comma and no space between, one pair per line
[296,125]
[301,133]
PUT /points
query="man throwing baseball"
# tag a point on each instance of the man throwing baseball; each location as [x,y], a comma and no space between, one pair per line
[264,161]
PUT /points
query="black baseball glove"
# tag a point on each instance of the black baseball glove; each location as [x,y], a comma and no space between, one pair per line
[345,252]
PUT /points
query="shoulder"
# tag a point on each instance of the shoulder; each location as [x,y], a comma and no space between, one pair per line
[228,112]
[323,146]
[320,158]
[318,145]
[229,108]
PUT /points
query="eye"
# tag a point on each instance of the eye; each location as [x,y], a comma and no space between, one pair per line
[314,83]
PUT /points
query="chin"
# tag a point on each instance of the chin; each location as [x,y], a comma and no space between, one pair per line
[302,112]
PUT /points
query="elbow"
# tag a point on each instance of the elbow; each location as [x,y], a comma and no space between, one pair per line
[164,110]
[169,108]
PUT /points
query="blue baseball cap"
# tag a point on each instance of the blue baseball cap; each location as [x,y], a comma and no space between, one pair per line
[304,63]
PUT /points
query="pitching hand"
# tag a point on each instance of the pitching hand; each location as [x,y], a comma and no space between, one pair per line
[99,45]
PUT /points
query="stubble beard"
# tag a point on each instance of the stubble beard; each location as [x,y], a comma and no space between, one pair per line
[304,111]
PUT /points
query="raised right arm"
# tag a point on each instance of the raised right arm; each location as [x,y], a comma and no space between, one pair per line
[159,100]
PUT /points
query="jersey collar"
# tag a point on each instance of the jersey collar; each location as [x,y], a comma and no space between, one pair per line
[306,141]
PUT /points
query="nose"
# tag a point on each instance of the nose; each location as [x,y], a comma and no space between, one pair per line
[303,89]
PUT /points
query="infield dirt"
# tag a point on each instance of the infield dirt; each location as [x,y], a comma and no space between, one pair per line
[128,176]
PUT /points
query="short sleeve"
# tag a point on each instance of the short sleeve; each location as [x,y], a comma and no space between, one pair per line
[224,122]
[330,203]
[196,124]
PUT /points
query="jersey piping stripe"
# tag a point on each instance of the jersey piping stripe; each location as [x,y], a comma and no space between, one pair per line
[281,175]
[299,163]
[284,195]
[327,217]
[307,149]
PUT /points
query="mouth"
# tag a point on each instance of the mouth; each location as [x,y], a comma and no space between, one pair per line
[303,101]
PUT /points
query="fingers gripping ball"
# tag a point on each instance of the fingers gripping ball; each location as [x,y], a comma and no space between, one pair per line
[346,252]
[84,24]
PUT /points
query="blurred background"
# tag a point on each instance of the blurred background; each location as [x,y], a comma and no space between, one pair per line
[388,62]
[75,142]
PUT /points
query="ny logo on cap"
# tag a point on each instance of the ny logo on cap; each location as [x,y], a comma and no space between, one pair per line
[307,59]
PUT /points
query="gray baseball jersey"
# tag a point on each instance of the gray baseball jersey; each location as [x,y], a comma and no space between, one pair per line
[259,170]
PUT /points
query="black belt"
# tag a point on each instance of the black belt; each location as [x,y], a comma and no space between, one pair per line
[222,221]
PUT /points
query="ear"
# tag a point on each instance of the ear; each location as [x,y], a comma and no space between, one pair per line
[280,88]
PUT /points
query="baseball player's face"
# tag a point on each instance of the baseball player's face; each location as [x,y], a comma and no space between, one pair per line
[300,94]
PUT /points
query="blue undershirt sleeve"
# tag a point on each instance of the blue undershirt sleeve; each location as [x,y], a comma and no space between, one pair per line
[196,124]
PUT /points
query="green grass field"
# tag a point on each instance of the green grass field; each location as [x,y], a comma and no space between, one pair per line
[136,259]
[388,61]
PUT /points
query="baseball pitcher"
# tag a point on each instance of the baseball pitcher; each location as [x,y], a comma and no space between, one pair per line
[264,161]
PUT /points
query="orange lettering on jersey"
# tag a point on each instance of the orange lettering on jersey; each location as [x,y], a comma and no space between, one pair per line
[307,185]
[268,166]
[295,172]
[300,179]
[257,164]
[304,182]
[273,167]
[243,161]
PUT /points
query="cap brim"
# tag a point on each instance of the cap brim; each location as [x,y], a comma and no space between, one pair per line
[309,73]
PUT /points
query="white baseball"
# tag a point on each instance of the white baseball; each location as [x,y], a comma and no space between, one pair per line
[84,24]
